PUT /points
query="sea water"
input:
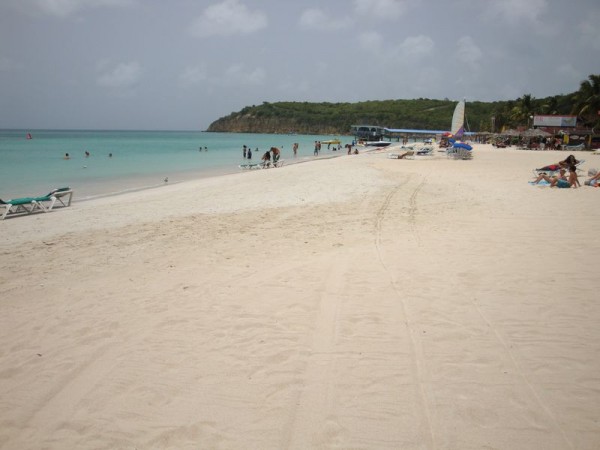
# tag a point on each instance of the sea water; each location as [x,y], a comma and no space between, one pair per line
[140,159]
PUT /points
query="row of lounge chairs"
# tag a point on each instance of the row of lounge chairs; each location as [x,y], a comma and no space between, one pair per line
[412,152]
[28,205]
[456,151]
[261,165]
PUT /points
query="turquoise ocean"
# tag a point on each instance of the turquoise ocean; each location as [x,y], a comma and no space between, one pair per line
[140,159]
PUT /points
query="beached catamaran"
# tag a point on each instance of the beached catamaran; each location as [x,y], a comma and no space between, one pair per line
[458,150]
[457,129]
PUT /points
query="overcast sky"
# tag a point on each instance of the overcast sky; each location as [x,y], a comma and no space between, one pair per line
[180,64]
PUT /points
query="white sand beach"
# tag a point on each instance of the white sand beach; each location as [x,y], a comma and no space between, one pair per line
[357,302]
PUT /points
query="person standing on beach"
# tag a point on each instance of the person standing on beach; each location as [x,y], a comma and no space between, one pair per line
[316,152]
[244,151]
[573,179]
[249,153]
[276,154]
[266,159]
[295,149]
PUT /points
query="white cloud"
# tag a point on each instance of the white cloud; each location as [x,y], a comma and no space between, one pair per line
[417,46]
[124,75]
[410,48]
[239,75]
[228,18]
[514,11]
[371,41]
[380,9]
[315,18]
[66,8]
[469,53]
[193,75]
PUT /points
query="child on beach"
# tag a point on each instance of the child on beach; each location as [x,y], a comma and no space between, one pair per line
[573,179]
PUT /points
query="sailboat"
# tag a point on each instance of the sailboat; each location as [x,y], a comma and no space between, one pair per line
[457,129]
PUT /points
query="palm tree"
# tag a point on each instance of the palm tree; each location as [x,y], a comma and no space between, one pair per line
[520,112]
[587,101]
[551,105]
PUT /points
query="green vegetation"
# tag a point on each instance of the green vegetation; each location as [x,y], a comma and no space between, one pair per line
[423,113]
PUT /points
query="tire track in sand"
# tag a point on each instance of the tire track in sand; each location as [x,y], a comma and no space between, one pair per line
[418,357]
[313,399]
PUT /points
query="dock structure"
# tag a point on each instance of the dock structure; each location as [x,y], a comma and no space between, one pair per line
[368,132]
[376,133]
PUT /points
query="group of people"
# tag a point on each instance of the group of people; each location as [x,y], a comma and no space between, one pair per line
[562,180]
[247,152]
[273,154]
[86,153]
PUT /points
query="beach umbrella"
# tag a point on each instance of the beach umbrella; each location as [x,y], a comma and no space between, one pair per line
[536,132]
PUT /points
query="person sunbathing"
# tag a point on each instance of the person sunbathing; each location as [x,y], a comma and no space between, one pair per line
[594,180]
[554,181]
[569,161]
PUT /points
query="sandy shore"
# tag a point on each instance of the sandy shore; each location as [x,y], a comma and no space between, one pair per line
[357,302]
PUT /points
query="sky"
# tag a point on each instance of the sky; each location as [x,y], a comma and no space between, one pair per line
[181,64]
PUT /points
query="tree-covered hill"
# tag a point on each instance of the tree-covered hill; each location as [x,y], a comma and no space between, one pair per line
[423,113]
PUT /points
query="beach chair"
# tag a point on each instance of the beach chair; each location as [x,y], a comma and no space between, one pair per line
[60,193]
[17,206]
[573,147]
[420,153]
[44,203]
[459,153]
[251,166]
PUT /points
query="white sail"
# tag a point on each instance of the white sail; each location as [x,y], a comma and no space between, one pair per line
[458,120]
